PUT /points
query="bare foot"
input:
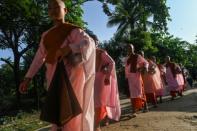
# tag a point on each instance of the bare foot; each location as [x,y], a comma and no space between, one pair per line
[98,129]
[106,122]
[134,115]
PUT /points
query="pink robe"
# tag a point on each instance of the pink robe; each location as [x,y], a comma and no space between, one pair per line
[149,81]
[82,77]
[107,95]
[174,84]
[180,80]
[158,82]
[135,79]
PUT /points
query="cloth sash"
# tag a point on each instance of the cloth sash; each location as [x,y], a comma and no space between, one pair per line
[99,59]
[132,60]
[61,103]
[54,39]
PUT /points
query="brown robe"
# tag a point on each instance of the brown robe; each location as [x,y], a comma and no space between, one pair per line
[61,104]
[133,61]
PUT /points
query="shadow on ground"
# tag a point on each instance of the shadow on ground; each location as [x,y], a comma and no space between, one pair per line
[187,103]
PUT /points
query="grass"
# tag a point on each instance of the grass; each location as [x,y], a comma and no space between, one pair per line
[22,122]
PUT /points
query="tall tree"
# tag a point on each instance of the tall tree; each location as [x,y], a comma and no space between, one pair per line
[17,23]
[130,15]
[21,25]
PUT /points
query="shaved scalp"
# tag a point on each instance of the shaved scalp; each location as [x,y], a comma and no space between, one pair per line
[167,59]
[141,53]
[153,58]
[58,2]
[132,47]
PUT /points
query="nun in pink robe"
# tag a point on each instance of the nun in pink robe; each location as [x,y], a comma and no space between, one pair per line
[150,83]
[135,83]
[81,76]
[159,82]
[106,96]
[159,85]
[175,80]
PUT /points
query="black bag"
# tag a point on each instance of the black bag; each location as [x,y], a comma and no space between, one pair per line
[61,103]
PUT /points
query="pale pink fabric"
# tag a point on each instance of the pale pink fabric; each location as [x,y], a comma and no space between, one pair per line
[135,79]
[100,90]
[82,77]
[150,80]
[149,84]
[174,84]
[180,79]
[158,82]
[107,95]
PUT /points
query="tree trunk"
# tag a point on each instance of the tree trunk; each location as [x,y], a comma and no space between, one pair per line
[132,30]
[36,92]
[17,76]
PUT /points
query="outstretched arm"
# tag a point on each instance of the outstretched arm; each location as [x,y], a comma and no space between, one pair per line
[35,66]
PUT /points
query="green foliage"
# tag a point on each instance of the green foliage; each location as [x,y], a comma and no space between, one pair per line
[131,15]
[134,25]
[6,78]
[21,25]
[21,122]
[155,44]
[180,51]
[75,13]
[143,41]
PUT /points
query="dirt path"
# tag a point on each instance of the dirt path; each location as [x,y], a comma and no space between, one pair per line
[177,115]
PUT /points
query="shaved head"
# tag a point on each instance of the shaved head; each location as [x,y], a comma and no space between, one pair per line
[57,2]
[141,53]
[131,48]
[153,58]
[167,59]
